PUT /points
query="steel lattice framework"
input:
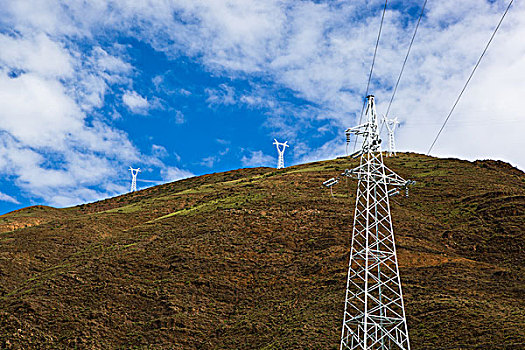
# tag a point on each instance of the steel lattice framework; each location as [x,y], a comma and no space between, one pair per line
[134,173]
[281,147]
[391,125]
[374,316]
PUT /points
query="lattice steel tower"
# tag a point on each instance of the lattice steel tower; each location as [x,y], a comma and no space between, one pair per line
[374,316]
[134,173]
[281,147]
[391,125]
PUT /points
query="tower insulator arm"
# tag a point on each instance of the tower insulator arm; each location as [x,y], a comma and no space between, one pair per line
[358,130]
[390,177]
[330,182]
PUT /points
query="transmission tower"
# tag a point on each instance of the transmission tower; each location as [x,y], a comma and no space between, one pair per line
[374,316]
[391,125]
[281,147]
[134,173]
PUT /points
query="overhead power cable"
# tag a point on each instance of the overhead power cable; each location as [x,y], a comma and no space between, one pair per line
[372,67]
[406,58]
[470,77]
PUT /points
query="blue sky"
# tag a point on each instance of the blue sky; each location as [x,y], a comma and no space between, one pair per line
[182,88]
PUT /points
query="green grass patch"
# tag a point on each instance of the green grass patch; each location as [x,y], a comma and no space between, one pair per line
[216,204]
[130,208]
[197,190]
[311,169]
[436,172]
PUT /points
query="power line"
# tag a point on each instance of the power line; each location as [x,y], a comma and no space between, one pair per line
[418,125]
[470,77]
[372,67]
[406,58]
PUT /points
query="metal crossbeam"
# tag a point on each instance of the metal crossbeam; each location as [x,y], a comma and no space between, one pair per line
[391,125]
[134,173]
[281,147]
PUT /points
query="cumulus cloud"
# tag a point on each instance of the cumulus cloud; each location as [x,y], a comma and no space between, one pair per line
[212,160]
[136,103]
[224,95]
[257,158]
[322,51]
[179,117]
[26,54]
[51,145]
[159,151]
[223,142]
[319,51]
[175,173]
[110,63]
[7,198]
[208,161]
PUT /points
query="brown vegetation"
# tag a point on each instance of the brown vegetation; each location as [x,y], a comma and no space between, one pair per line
[257,259]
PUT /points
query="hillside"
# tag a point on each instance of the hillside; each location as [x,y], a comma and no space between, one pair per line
[257,259]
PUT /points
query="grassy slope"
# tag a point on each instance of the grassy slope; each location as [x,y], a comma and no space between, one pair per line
[257,259]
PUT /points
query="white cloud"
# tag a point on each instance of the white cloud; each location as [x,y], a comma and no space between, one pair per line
[224,95]
[56,112]
[184,92]
[174,174]
[209,161]
[179,117]
[252,100]
[53,149]
[311,50]
[319,50]
[159,151]
[212,160]
[110,63]
[223,142]
[7,198]
[257,159]
[47,144]
[36,54]
[136,103]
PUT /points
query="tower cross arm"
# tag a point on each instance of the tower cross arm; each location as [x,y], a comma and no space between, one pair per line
[358,130]
[385,174]
[392,178]
[390,123]
[277,143]
[281,147]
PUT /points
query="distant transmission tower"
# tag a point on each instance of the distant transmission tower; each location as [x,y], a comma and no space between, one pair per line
[281,147]
[374,316]
[391,125]
[134,173]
